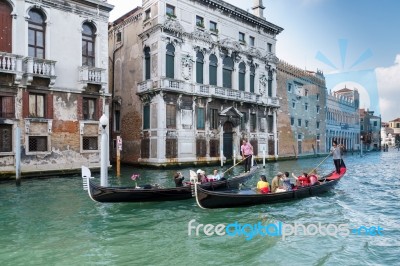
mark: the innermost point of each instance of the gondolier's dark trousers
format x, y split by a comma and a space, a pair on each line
338, 163
247, 163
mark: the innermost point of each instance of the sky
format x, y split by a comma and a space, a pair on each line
356, 43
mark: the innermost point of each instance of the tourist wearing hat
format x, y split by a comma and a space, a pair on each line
201, 176
275, 184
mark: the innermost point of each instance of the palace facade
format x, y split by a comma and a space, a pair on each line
53, 81
191, 79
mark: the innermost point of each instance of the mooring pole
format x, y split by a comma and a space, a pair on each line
18, 156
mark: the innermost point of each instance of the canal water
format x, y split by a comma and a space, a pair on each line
52, 221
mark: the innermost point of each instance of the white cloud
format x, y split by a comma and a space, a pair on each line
388, 79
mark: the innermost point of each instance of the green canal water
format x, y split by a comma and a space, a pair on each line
53, 222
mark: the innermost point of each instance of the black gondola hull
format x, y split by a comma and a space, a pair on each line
217, 199
131, 194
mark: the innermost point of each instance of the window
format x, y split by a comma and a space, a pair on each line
147, 68
89, 109
375, 123
170, 61
90, 143
242, 73
199, 21
305, 92
214, 119
317, 124
147, 14
37, 143
171, 148
317, 109
170, 11
117, 120
289, 88
294, 104
199, 67
317, 96
227, 72
119, 36
88, 38
299, 136
269, 47
36, 34
292, 121
243, 121
6, 135
213, 27
7, 107
252, 41
253, 122
171, 116
200, 118
213, 69
252, 77
306, 123
146, 116
270, 123
299, 122
242, 37
306, 106
36, 105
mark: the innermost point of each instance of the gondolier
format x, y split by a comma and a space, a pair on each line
247, 152
336, 152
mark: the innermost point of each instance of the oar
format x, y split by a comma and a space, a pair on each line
320, 163
236, 164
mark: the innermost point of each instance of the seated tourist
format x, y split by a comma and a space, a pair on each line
263, 185
302, 181
201, 176
287, 186
314, 178
276, 183
178, 178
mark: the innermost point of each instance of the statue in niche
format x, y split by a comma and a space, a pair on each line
187, 65
263, 83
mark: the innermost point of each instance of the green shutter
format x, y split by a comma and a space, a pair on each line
199, 72
170, 66
200, 118
213, 75
146, 117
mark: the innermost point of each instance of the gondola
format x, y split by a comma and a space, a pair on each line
134, 194
229, 199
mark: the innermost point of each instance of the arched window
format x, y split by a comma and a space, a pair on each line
170, 62
213, 69
199, 67
252, 77
147, 63
242, 73
227, 72
36, 34
6, 27
88, 41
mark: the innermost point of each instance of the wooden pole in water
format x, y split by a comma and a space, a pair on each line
119, 146
18, 156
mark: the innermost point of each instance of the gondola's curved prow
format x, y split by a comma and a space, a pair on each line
86, 175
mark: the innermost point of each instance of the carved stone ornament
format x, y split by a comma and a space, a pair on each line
263, 83
228, 43
254, 52
187, 66
202, 34
173, 25
271, 57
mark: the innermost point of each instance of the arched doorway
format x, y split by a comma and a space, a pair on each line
6, 27
228, 140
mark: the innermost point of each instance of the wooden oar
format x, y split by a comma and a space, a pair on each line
320, 163
236, 164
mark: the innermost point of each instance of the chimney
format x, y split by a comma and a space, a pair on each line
258, 8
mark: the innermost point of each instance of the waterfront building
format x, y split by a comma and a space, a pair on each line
394, 125
190, 80
53, 74
342, 119
301, 118
388, 136
370, 130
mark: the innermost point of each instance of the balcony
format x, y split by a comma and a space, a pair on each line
92, 75
11, 64
204, 90
41, 68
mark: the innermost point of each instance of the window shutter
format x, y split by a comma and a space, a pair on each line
25, 104
50, 107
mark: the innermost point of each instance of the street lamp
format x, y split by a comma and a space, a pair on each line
104, 150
